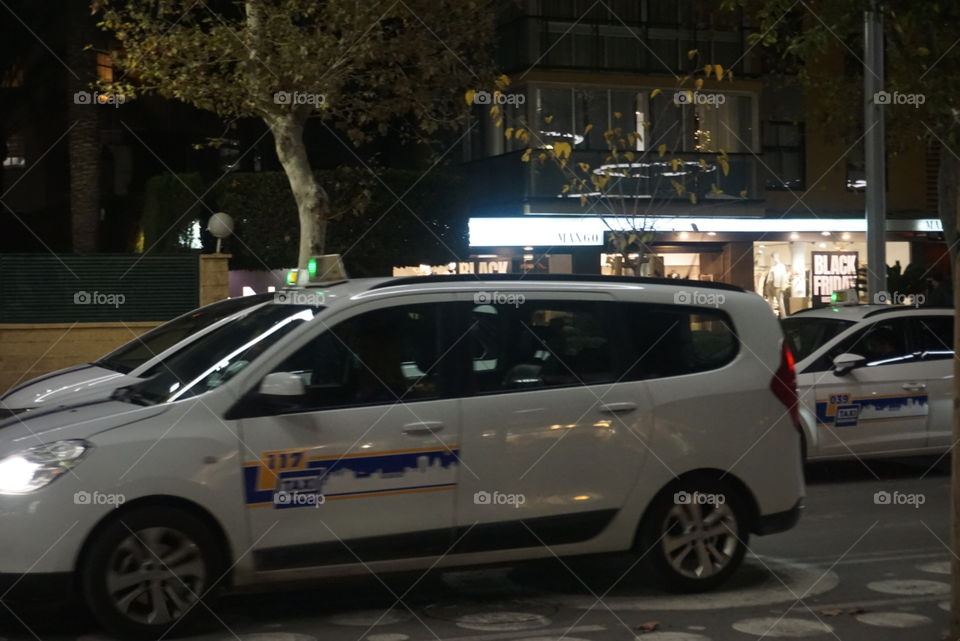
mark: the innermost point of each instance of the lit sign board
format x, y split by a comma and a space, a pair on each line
571, 231
537, 232
832, 271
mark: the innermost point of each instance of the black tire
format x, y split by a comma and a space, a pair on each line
127, 549
671, 520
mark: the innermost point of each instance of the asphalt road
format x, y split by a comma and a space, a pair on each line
856, 568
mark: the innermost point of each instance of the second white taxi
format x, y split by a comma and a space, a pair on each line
873, 380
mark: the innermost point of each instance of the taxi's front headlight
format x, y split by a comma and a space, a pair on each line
38, 466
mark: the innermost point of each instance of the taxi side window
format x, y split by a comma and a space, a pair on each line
668, 340
540, 344
385, 356
885, 342
934, 337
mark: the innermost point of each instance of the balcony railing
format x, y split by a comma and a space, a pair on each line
502, 181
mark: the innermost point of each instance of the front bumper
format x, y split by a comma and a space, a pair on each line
779, 521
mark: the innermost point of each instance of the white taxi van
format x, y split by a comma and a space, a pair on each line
381, 425
874, 380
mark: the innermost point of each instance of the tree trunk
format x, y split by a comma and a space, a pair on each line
313, 206
948, 204
83, 140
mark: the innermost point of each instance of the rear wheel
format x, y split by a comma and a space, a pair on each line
695, 536
148, 573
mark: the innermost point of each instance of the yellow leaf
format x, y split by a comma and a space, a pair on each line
692, 54
743, 194
583, 200
693, 198
707, 70
629, 156
617, 115
503, 81
468, 96
703, 164
548, 119
698, 84
562, 150
587, 129
655, 93
495, 112
518, 134
584, 167
565, 189
508, 133
715, 189
718, 70
542, 157
674, 164
498, 123
662, 149
725, 166
526, 155
678, 187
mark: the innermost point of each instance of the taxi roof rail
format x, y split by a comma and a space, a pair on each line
561, 278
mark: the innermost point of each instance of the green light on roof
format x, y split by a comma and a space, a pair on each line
834, 297
292, 277
312, 267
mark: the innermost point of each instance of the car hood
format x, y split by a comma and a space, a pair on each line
77, 421
65, 387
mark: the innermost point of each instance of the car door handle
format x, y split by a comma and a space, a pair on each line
617, 408
914, 387
422, 428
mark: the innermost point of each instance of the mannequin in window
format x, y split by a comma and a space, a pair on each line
776, 281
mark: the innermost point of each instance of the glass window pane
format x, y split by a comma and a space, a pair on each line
541, 344
592, 110
671, 341
934, 335
554, 116
385, 356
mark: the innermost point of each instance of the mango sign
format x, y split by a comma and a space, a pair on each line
832, 271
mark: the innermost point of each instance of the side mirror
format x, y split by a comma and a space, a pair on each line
282, 385
845, 362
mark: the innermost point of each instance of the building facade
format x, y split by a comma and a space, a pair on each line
723, 178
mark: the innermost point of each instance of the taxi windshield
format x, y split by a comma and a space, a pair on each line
143, 348
806, 334
215, 358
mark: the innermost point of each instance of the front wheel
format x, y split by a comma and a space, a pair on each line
148, 573
695, 536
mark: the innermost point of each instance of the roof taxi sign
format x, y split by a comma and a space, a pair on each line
832, 271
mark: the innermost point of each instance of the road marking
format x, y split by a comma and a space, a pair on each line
935, 567
894, 619
785, 627
529, 636
502, 621
367, 618
672, 636
909, 587
879, 603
